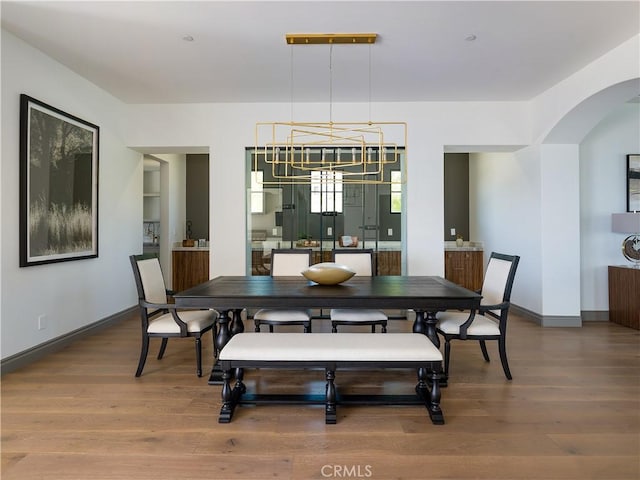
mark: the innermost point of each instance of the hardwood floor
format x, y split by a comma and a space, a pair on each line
571, 412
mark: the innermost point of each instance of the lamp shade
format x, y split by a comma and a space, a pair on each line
625, 222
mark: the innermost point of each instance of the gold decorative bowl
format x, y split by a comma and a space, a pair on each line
328, 273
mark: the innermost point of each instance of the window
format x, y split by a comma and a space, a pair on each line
257, 194
326, 191
396, 191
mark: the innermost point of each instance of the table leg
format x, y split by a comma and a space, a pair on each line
426, 325
418, 324
431, 321
221, 340
237, 325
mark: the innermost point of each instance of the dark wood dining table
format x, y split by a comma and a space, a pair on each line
229, 295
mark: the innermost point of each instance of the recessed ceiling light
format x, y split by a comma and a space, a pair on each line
470, 38
187, 38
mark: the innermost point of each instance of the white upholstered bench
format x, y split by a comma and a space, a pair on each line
331, 351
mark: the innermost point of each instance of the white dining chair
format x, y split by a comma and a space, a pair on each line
490, 322
286, 262
160, 318
362, 262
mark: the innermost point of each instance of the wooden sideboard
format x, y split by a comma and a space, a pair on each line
464, 267
388, 262
190, 267
624, 296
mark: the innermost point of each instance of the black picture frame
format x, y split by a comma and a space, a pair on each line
633, 183
59, 158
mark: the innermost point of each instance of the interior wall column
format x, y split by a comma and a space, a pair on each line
425, 208
560, 234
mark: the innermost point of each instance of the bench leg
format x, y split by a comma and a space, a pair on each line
422, 387
428, 389
230, 397
330, 408
226, 412
437, 418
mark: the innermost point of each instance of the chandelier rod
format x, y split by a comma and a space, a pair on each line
331, 83
291, 80
369, 83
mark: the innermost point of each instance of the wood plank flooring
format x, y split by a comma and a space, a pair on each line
571, 412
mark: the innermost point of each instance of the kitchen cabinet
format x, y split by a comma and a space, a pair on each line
464, 267
389, 262
624, 296
190, 267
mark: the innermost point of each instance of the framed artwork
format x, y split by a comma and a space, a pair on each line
58, 185
633, 183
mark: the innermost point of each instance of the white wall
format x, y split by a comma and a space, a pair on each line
556, 113
78, 293
603, 192
505, 214
560, 234
524, 203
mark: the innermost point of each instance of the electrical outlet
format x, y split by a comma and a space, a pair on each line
389, 232
42, 322
453, 232
329, 231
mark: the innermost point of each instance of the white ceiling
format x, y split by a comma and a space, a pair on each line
136, 51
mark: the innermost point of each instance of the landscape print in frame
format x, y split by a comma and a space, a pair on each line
58, 185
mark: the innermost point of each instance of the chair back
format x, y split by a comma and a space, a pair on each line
498, 281
360, 261
149, 279
289, 261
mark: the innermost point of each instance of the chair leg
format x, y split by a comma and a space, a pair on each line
143, 355
198, 357
483, 347
502, 348
384, 328
163, 347
334, 327
307, 327
214, 334
257, 324
373, 328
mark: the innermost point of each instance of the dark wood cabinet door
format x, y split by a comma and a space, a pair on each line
624, 296
466, 268
189, 268
389, 262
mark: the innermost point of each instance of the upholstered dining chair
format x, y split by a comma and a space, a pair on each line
490, 322
286, 262
160, 318
360, 261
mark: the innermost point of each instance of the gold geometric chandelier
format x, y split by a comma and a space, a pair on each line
360, 151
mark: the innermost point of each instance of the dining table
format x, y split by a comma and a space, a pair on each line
230, 295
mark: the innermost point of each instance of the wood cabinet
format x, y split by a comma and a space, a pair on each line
389, 262
624, 296
190, 267
320, 256
464, 267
